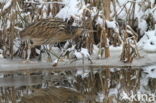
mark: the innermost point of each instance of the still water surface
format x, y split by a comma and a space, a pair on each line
79, 85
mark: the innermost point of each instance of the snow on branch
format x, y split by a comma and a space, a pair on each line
7, 5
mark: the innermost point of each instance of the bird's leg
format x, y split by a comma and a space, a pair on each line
83, 59
49, 57
48, 53
91, 62
28, 52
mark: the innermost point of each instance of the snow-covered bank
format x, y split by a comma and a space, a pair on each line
114, 60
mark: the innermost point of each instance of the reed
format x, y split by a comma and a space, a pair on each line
21, 13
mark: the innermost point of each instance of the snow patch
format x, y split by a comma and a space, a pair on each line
1, 75
113, 25
1, 54
82, 54
72, 7
118, 48
100, 97
150, 71
7, 5
83, 73
148, 41
142, 25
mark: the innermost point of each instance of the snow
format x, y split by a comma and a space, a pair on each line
100, 97
148, 41
55, 62
1, 75
150, 71
111, 24
154, 15
72, 8
54, 52
142, 25
83, 73
100, 21
7, 5
75, 8
8, 24
1, 54
122, 2
44, 11
95, 50
147, 74
38, 51
82, 54
118, 48
2, 1
17, 44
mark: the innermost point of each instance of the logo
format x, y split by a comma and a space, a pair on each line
135, 97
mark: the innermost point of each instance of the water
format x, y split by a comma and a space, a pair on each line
79, 85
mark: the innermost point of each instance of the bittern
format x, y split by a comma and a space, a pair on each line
48, 31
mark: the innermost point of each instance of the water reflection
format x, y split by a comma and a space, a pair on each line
85, 85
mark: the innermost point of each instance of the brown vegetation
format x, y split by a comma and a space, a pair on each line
54, 95
20, 14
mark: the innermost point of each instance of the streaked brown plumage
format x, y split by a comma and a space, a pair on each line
49, 31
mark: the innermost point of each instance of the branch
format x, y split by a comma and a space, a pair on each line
31, 2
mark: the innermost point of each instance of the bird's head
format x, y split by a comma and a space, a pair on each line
75, 30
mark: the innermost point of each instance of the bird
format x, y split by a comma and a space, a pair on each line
48, 31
